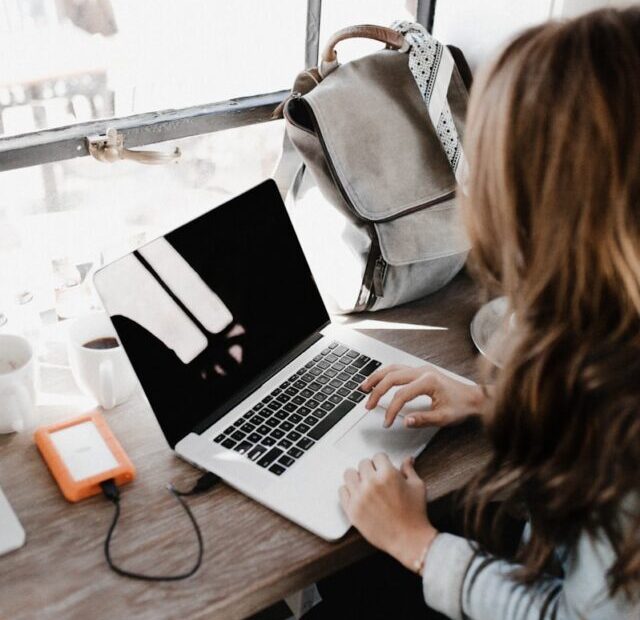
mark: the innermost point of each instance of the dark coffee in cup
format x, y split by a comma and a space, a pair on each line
102, 343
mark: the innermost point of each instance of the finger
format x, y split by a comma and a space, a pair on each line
425, 384
409, 471
396, 377
345, 497
427, 418
351, 479
375, 377
366, 469
381, 462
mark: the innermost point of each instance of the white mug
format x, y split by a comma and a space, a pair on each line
17, 384
104, 374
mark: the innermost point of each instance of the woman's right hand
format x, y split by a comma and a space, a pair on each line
451, 401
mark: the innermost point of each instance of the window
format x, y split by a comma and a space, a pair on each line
201, 75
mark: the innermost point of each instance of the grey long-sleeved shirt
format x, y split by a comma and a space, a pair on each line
454, 586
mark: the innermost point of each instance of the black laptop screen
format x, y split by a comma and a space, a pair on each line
205, 310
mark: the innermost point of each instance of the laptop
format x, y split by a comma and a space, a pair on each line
248, 377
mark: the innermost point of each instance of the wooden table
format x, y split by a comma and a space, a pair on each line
253, 557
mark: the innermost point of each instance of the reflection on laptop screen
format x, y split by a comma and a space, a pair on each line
204, 310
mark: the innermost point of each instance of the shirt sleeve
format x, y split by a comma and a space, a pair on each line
461, 583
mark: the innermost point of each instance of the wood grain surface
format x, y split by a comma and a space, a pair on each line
253, 557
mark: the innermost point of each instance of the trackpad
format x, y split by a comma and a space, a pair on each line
367, 437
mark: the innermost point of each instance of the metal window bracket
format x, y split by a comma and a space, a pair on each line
109, 148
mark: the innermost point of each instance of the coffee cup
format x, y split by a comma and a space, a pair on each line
98, 362
17, 384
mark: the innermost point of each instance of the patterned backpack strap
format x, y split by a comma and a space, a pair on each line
431, 64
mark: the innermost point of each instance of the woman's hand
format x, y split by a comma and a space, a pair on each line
451, 401
388, 507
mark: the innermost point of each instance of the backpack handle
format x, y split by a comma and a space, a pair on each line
391, 38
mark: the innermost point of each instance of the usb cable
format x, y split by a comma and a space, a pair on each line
112, 493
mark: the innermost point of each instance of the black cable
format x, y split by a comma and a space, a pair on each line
111, 492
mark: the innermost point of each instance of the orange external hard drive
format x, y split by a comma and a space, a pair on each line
81, 453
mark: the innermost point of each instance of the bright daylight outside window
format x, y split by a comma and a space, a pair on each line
70, 63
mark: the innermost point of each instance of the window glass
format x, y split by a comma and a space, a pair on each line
60, 221
66, 61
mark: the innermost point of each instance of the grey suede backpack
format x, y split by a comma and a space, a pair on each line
374, 201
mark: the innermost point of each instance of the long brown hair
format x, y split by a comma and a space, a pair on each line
553, 212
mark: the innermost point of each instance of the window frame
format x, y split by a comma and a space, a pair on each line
70, 141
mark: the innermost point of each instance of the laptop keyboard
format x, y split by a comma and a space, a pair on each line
288, 422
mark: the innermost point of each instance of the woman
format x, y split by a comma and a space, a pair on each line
553, 213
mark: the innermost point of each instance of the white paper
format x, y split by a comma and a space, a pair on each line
83, 450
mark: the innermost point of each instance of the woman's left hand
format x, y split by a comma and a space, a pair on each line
388, 507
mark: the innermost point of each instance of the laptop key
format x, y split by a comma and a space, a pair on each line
317, 358
327, 406
243, 447
351, 385
305, 443
295, 418
335, 383
370, 367
314, 372
228, 443
363, 360
331, 420
356, 397
237, 435
331, 358
267, 399
327, 350
298, 400
269, 441
322, 379
294, 436
219, 438
273, 406
353, 354
343, 391
283, 399
320, 396
263, 429
309, 364
314, 386
286, 425
248, 427
359, 378
276, 392
270, 457
304, 410
320, 413
328, 390
296, 453
254, 438
299, 384
329, 372
272, 422
285, 443
351, 370
306, 393
277, 433
285, 384
311, 420
258, 407
277, 469
311, 375
335, 399
281, 414
257, 419
341, 350
339, 366
287, 461
291, 391
256, 452
313, 403
303, 428
290, 407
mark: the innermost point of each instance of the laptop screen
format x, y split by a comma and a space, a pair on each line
206, 310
